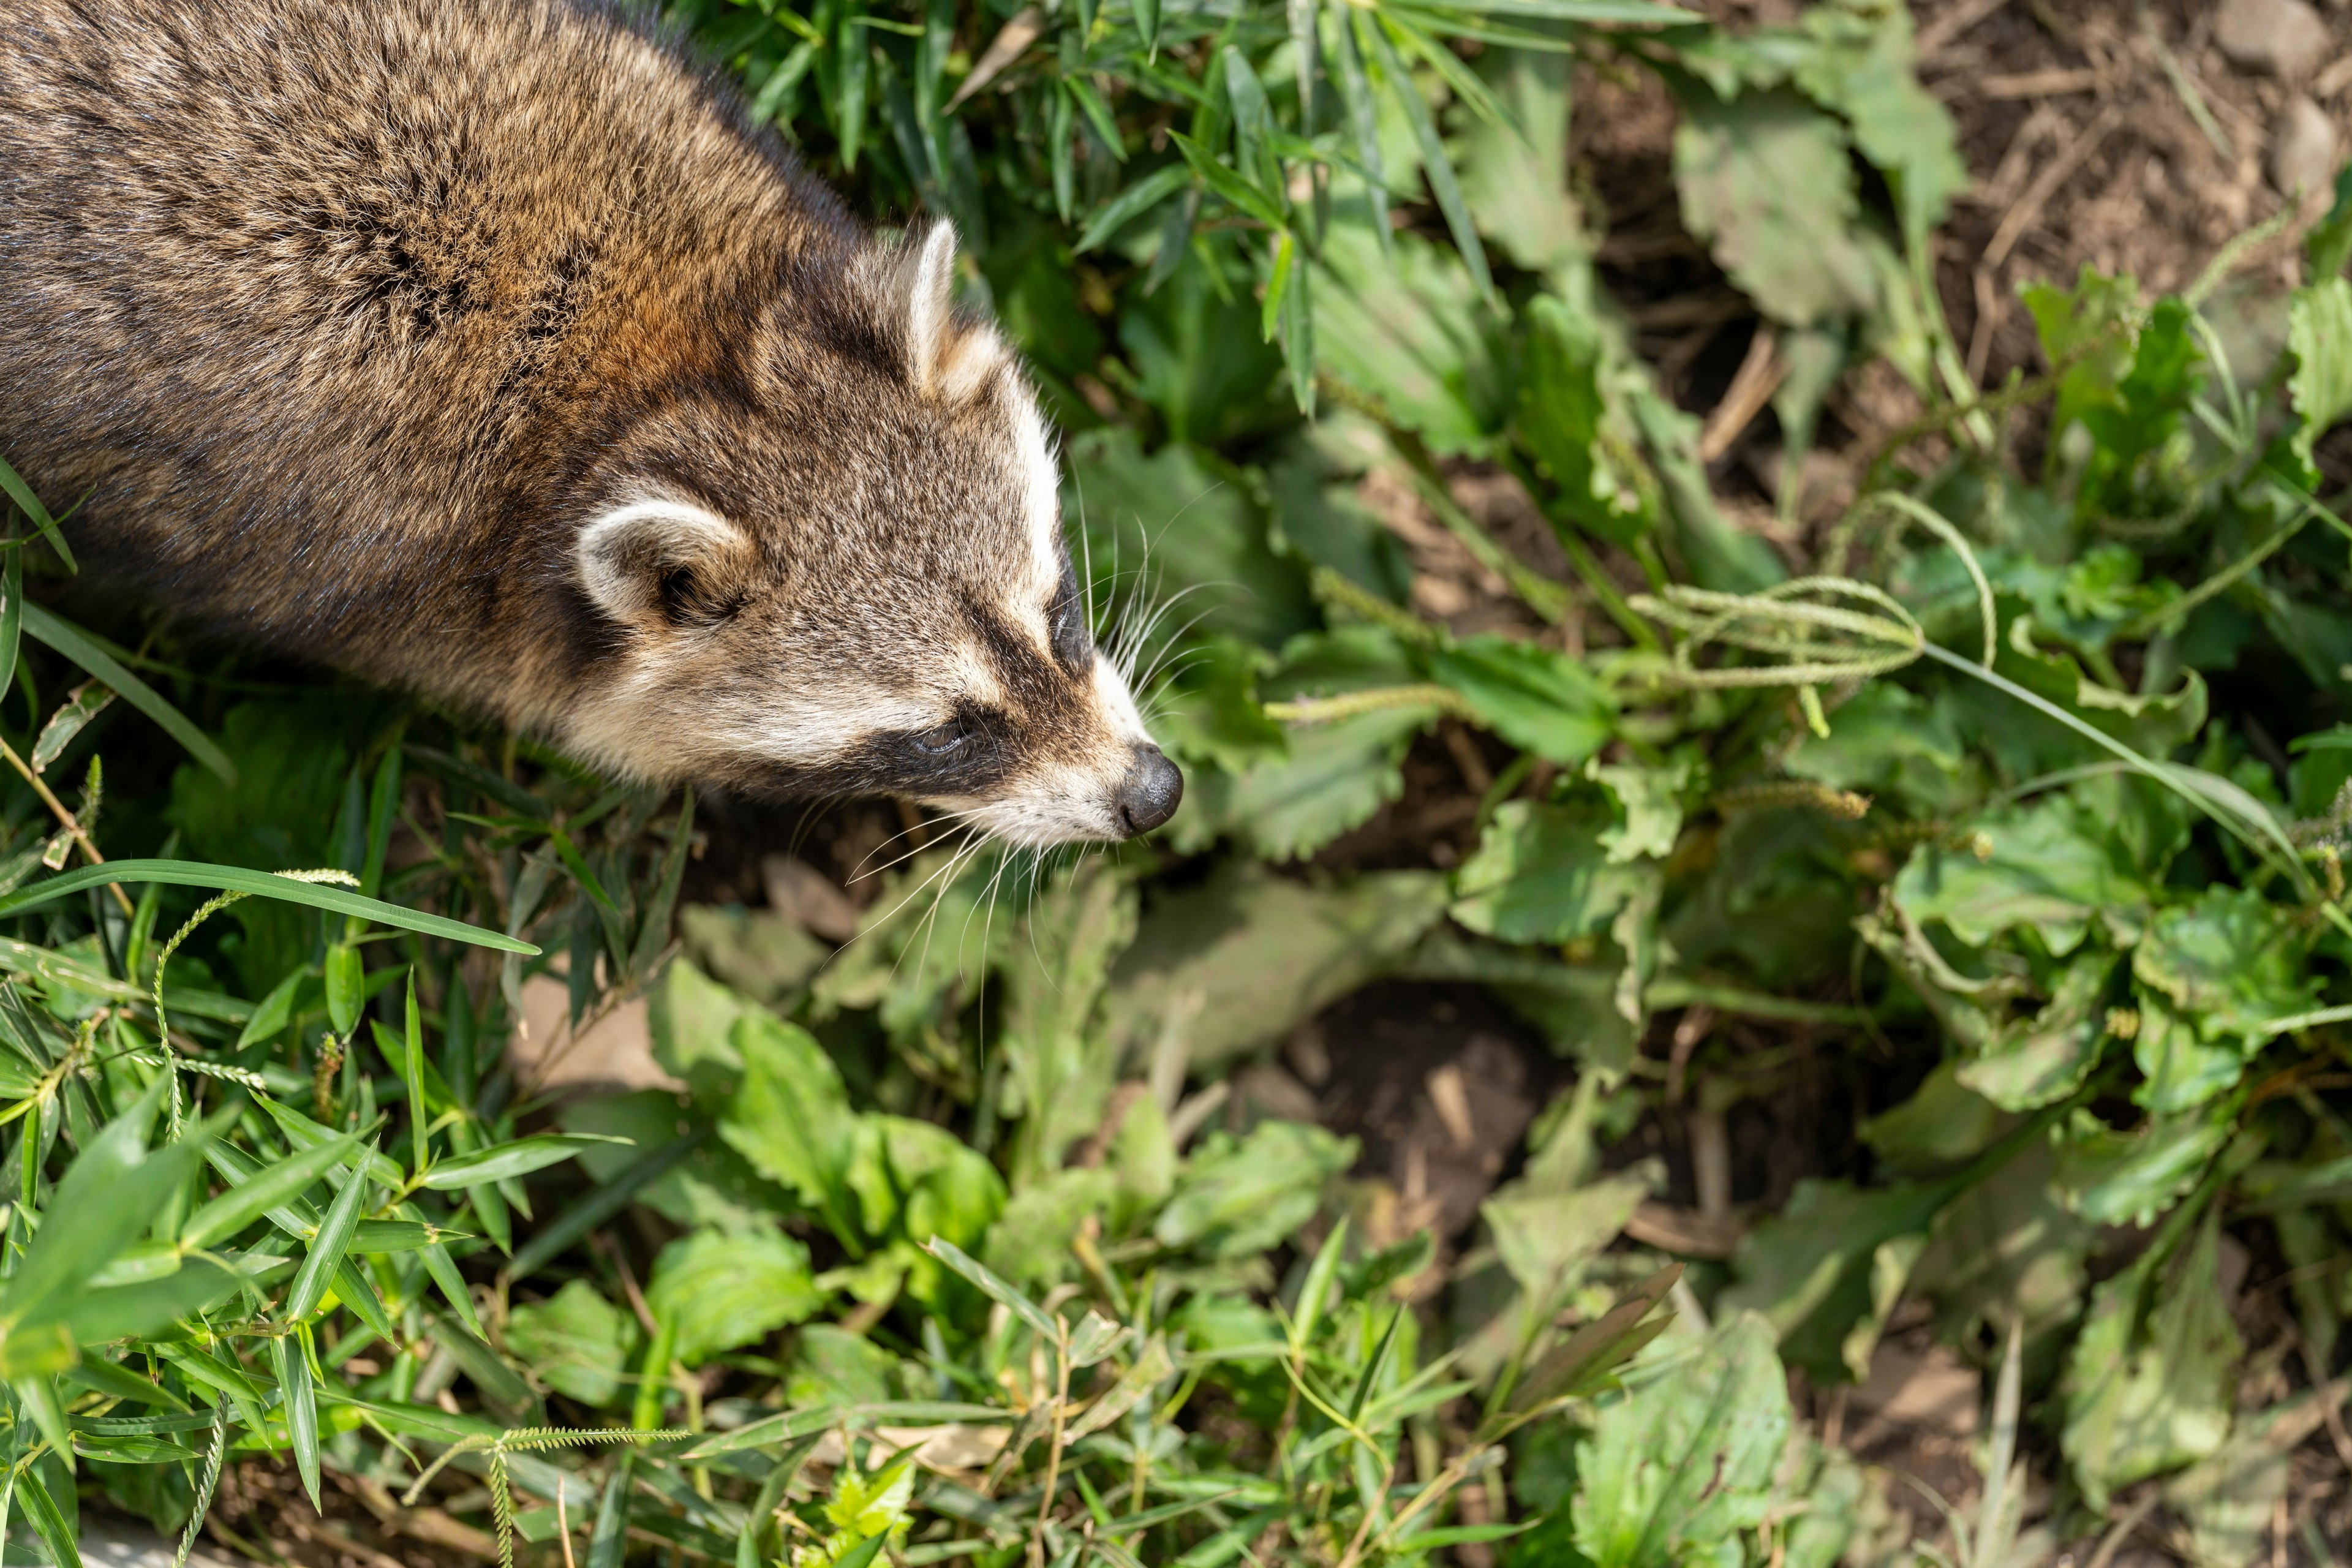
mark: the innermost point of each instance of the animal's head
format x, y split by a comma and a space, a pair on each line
837, 567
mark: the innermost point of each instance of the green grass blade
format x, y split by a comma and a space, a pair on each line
1436, 162
301, 1405
268, 1189
519, 1158
1133, 203
609, 1540
12, 617
327, 1249
996, 1287
267, 884
79, 646
48, 1524
18, 490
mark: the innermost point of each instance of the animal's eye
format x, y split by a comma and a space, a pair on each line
941, 739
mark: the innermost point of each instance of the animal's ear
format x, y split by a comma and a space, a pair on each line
946, 358
659, 561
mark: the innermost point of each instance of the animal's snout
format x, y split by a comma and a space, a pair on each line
1148, 795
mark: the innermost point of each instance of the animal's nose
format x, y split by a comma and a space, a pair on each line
1148, 795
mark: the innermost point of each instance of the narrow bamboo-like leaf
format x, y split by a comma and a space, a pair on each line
609, 1540
383, 803
996, 1287
419, 1110
346, 987
119, 1382
45, 625
1147, 25
1233, 188
864, 1553
1373, 1368
38, 1396
12, 484
519, 1158
353, 1289
1587, 1355
1437, 165
1304, 38
1098, 113
1316, 1289
12, 616
301, 1401
481, 781
236, 879
653, 931
342, 1217
48, 1520
593, 1208
252, 1197
275, 1010
304, 1133
451, 1284
1133, 203
496, 1380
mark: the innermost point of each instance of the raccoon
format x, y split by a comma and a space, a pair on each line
486, 349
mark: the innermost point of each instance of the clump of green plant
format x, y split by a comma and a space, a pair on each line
925, 1250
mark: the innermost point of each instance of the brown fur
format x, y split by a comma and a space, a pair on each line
353, 315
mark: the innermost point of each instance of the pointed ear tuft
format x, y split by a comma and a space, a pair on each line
946, 359
927, 281
657, 561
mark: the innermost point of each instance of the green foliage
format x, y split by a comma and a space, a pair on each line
948, 1245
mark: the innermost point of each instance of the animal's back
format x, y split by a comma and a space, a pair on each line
318, 297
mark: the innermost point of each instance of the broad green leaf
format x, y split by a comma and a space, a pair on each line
1247, 955
1059, 1063
1179, 521
2147, 1385
2319, 334
503, 1161
2051, 867
1809, 1270
1864, 66
2116, 1178
322, 895
1239, 1197
1534, 697
2041, 1060
2228, 962
1542, 1237
723, 1290
1407, 326
1766, 180
578, 1342
1573, 416
1541, 874
1332, 777
1678, 1467
792, 1118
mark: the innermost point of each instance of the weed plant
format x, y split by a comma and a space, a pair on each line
928, 1256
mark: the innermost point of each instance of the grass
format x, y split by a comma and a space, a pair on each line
2018, 811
